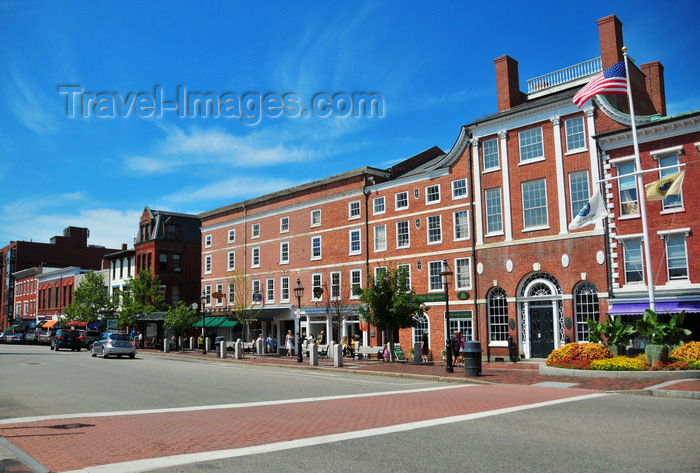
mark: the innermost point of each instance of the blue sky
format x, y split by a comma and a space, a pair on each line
431, 62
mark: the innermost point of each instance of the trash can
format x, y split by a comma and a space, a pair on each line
220, 344
472, 358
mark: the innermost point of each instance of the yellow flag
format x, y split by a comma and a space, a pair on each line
671, 185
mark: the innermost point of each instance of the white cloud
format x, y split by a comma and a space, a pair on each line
26, 101
231, 190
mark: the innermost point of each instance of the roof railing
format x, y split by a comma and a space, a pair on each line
587, 68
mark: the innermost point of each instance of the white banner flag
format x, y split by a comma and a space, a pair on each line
592, 211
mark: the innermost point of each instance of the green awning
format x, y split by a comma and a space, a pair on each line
210, 322
11, 328
228, 323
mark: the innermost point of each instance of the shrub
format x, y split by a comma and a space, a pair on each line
619, 363
687, 351
578, 355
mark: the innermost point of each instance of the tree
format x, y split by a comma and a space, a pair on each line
180, 317
242, 298
141, 296
91, 302
391, 303
337, 311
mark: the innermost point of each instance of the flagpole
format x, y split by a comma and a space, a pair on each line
640, 185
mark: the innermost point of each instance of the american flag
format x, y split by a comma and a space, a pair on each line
612, 80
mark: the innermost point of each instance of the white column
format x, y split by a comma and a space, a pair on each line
507, 216
476, 185
561, 182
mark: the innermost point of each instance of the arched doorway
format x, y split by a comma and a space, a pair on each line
541, 314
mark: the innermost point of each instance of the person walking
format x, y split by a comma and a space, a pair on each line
289, 342
424, 347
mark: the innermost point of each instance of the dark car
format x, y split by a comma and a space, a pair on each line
44, 337
65, 338
30, 338
87, 337
14, 338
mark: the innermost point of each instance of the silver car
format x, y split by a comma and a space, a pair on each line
114, 344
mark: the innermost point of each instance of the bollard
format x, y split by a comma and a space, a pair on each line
330, 351
338, 356
207, 345
181, 344
166, 345
238, 350
313, 355
222, 349
259, 346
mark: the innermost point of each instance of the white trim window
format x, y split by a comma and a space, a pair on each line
207, 294
231, 261
284, 224
460, 222
270, 290
335, 285
671, 201
676, 257
531, 147
629, 200
207, 240
316, 218
284, 252
463, 274
378, 205
316, 247
231, 235
355, 283
407, 279
432, 194
355, 241
255, 257
207, 264
578, 191
575, 134
434, 278
634, 266
380, 238
284, 289
255, 286
354, 210
255, 230
231, 293
489, 151
401, 200
403, 235
459, 189
316, 281
494, 212
434, 229
535, 204
220, 289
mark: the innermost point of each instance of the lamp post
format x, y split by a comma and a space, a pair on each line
299, 291
204, 323
446, 274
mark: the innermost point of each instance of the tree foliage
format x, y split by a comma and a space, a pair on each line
390, 303
91, 302
241, 292
180, 317
141, 296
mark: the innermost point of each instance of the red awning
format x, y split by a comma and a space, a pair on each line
76, 324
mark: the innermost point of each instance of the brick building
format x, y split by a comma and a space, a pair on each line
69, 249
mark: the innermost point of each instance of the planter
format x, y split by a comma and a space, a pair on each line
656, 353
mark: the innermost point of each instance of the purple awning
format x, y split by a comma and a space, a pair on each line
638, 308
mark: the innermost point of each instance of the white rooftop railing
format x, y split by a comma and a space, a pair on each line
561, 76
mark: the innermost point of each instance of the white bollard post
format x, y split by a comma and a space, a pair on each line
166, 345
206, 344
238, 351
330, 351
338, 356
313, 355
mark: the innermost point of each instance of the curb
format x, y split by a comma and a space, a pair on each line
684, 374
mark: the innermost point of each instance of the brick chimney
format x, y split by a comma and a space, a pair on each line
656, 89
507, 83
610, 36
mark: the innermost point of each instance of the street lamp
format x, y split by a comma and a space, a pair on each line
446, 274
299, 291
204, 323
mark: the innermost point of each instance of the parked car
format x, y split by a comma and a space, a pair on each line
30, 337
65, 338
2, 337
44, 337
114, 344
14, 338
87, 337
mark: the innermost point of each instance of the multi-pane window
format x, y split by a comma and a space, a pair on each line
421, 326
355, 283
162, 262
434, 278
284, 224
575, 134
255, 257
535, 203
355, 241
316, 282
459, 189
578, 188
220, 290
405, 270
270, 290
207, 241
676, 257
255, 230
335, 285
207, 294
401, 200
463, 276
315, 247
257, 296
231, 260
461, 324
633, 260
494, 213
316, 217
380, 238
531, 144
207, 264
432, 194
434, 229
231, 235
284, 252
671, 201
498, 315
378, 205
402, 234
231, 293
354, 209
629, 204
460, 220
586, 307
284, 288
490, 153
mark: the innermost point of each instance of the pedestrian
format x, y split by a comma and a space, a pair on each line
424, 347
139, 337
268, 342
456, 345
321, 338
289, 342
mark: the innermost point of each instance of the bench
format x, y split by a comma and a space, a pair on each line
322, 350
368, 352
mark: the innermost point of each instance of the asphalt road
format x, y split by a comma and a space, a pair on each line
494, 428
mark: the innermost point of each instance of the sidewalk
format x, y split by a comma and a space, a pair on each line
667, 384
